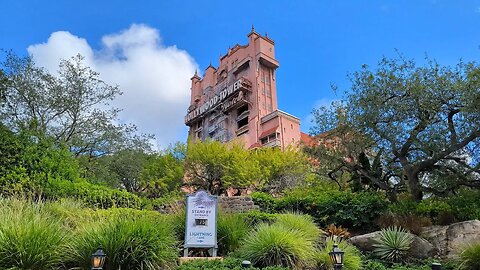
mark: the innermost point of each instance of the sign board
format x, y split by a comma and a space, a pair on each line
201, 221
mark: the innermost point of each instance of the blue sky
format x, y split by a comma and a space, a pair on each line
317, 42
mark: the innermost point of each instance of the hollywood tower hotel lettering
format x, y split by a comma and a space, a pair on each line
238, 99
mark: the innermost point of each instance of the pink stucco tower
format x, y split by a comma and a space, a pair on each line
238, 99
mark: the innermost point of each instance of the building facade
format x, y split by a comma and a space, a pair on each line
238, 99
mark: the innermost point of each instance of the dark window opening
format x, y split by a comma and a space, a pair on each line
242, 122
242, 109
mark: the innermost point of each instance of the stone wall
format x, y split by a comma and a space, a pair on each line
237, 204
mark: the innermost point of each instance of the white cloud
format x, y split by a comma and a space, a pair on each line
154, 78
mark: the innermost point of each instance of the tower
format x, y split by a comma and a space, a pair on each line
238, 99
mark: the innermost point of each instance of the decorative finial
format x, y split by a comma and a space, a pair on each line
196, 74
266, 34
253, 28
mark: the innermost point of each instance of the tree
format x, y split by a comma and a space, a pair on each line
72, 108
281, 170
163, 172
423, 121
215, 166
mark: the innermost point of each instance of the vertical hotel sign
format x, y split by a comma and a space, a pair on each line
201, 222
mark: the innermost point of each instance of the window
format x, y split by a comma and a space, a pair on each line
242, 122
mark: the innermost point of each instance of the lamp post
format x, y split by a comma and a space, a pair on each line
336, 255
246, 264
436, 266
98, 259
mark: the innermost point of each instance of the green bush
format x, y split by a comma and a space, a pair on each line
393, 244
231, 230
92, 195
349, 210
470, 257
30, 238
256, 217
352, 257
130, 241
226, 264
277, 245
265, 201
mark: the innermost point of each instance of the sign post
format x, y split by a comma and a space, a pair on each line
201, 222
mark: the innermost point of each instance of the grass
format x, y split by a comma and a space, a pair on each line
231, 230
278, 245
303, 223
30, 237
130, 242
470, 257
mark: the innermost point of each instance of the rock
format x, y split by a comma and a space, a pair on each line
364, 242
450, 240
421, 248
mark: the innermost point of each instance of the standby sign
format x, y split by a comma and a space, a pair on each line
201, 222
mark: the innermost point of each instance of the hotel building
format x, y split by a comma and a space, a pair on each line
238, 99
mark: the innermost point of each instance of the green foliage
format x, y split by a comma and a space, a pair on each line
256, 217
420, 115
93, 195
281, 169
303, 223
265, 201
350, 210
131, 241
352, 257
393, 244
30, 238
231, 230
470, 257
226, 264
277, 245
215, 166
162, 173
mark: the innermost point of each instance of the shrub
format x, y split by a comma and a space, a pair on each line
226, 264
130, 242
30, 238
393, 244
302, 223
265, 201
333, 230
350, 210
256, 217
470, 257
231, 229
411, 222
352, 258
277, 245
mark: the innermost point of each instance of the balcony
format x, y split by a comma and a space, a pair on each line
245, 84
211, 129
273, 143
242, 130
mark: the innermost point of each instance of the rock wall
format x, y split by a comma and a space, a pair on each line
441, 241
450, 240
237, 204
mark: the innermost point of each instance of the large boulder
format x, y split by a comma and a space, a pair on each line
450, 240
421, 248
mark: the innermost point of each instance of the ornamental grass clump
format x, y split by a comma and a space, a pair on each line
470, 257
278, 245
231, 229
393, 244
30, 237
130, 242
302, 223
